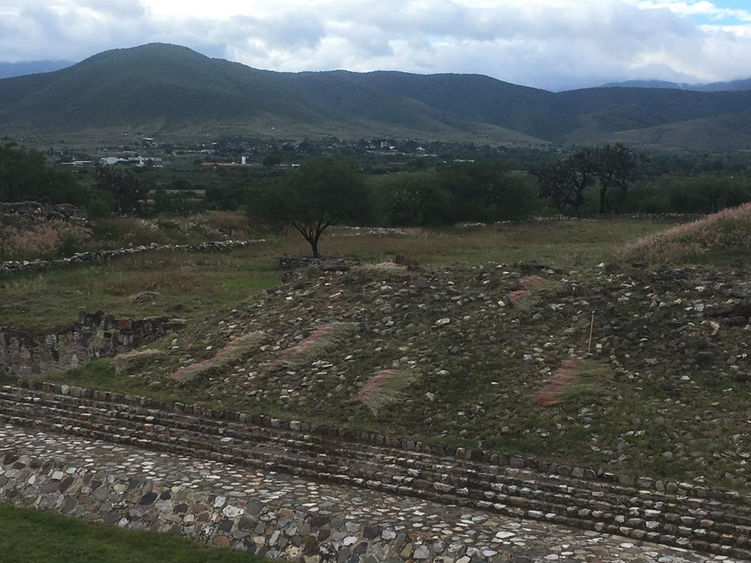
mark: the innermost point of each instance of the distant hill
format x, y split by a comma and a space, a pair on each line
732, 86
163, 90
31, 67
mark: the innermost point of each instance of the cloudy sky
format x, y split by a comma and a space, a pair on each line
552, 44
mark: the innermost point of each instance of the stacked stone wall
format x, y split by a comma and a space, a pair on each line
92, 335
104, 255
223, 520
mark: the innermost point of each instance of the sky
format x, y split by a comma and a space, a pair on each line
550, 44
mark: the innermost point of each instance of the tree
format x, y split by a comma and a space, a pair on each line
127, 190
485, 191
564, 181
26, 175
612, 166
415, 199
325, 191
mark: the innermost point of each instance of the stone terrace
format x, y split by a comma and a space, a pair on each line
281, 515
221, 478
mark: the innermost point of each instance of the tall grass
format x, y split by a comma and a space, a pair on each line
720, 237
236, 350
385, 387
323, 339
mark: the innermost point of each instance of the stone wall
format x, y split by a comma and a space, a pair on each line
674, 514
93, 335
240, 522
103, 255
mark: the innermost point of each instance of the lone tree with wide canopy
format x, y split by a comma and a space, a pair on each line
325, 191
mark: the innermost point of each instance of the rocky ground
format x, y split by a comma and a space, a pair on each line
460, 352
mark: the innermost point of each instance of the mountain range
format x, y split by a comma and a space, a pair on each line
167, 90
731, 86
31, 67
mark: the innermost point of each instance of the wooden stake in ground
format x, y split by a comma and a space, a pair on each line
591, 330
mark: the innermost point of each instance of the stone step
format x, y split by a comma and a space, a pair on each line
699, 523
557, 508
457, 470
226, 420
427, 472
424, 469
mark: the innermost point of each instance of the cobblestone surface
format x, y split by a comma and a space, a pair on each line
390, 527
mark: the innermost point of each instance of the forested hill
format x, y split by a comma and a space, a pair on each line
166, 89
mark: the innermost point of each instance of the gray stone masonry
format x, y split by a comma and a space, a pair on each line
92, 335
103, 255
669, 515
283, 516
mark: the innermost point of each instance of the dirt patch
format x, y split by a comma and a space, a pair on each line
550, 395
527, 284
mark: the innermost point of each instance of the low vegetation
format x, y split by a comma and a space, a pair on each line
660, 386
192, 285
720, 238
644, 368
60, 539
620, 343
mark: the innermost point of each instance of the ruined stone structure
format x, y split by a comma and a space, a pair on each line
489, 487
103, 255
92, 335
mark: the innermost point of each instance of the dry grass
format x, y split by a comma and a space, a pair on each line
718, 235
136, 359
236, 350
38, 240
325, 338
551, 394
135, 284
385, 387
528, 284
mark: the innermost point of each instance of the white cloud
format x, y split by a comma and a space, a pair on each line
546, 43
695, 8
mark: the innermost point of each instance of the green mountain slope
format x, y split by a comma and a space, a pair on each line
169, 89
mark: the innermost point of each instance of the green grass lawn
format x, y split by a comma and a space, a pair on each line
181, 284
29, 535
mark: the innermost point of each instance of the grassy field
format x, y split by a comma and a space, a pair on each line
30, 535
191, 285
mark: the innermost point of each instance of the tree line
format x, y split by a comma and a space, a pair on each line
326, 190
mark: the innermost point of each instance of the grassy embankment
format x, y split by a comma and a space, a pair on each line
628, 408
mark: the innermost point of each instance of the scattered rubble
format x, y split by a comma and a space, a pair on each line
676, 376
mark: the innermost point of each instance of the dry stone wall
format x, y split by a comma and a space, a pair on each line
103, 255
92, 335
283, 516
